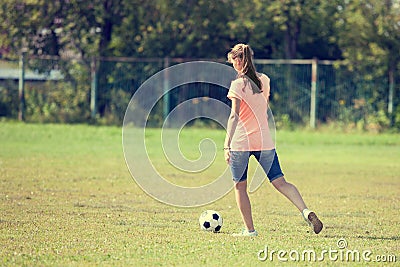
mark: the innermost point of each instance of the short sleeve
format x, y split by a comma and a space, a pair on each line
236, 89
266, 85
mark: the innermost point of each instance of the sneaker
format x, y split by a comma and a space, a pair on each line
314, 222
245, 232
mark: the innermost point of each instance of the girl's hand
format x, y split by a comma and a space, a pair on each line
227, 155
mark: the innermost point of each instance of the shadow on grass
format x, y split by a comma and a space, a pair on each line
391, 238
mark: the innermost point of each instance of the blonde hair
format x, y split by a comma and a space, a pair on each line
245, 54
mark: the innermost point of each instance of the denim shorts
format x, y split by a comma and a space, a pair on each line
268, 159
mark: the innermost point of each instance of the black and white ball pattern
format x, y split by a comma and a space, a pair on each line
211, 220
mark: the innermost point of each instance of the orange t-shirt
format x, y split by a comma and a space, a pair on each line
252, 131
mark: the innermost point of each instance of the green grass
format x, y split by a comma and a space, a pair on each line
67, 198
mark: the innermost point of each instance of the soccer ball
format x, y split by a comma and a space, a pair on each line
210, 220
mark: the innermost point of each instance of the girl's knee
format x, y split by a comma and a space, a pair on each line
280, 182
241, 185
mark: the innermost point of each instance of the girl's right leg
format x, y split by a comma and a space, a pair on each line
270, 163
290, 191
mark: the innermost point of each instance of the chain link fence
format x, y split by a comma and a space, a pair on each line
48, 89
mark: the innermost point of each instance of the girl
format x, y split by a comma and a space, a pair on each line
248, 134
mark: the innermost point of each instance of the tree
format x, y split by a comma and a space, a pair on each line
190, 29
363, 33
370, 40
31, 25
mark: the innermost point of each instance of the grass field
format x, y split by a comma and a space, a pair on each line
67, 198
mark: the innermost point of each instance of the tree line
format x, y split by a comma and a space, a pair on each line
356, 30
364, 34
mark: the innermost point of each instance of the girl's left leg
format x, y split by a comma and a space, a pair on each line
243, 203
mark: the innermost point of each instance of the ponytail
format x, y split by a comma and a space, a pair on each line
245, 54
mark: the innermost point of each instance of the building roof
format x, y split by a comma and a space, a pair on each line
13, 74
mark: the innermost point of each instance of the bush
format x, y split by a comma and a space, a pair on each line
57, 102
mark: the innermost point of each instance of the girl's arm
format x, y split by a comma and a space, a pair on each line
231, 126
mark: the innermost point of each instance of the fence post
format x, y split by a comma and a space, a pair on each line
391, 88
313, 105
93, 88
166, 89
391, 93
21, 87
